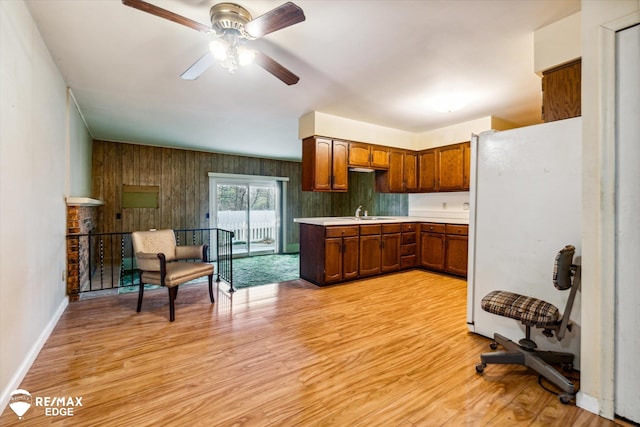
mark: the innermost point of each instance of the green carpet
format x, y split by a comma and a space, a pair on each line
247, 272
260, 270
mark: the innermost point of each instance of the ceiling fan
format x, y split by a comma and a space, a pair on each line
231, 25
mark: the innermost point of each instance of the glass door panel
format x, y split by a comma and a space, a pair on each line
232, 214
262, 219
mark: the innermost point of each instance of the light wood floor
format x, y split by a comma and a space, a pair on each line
389, 351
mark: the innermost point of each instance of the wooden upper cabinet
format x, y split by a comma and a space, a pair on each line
379, 157
450, 166
402, 176
368, 156
410, 171
466, 147
359, 154
339, 161
427, 181
561, 92
324, 164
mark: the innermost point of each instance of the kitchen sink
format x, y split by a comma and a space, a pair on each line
366, 218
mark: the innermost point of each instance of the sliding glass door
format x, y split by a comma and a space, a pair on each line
249, 208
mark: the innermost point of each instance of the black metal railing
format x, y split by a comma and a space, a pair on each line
105, 261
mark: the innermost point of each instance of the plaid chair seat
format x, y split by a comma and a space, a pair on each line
530, 311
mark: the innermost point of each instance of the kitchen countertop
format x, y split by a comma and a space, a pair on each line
344, 220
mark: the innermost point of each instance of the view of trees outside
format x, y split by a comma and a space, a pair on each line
256, 232
235, 198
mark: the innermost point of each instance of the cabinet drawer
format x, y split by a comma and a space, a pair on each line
341, 231
366, 230
408, 261
408, 249
408, 238
461, 230
433, 227
406, 227
391, 228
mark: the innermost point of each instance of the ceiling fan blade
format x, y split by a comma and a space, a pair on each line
199, 67
163, 13
276, 19
276, 69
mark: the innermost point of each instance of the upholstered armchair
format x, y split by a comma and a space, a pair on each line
161, 262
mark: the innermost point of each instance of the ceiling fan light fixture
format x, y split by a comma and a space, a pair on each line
245, 56
218, 48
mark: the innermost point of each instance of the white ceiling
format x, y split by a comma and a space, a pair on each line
377, 61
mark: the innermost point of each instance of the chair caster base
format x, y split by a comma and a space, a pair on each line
480, 367
565, 398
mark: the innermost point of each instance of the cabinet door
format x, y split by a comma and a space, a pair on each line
369, 255
390, 257
359, 154
457, 252
428, 181
339, 161
316, 164
561, 92
467, 165
350, 251
333, 259
396, 169
450, 166
410, 171
379, 157
432, 247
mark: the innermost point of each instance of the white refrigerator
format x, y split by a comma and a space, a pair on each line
525, 205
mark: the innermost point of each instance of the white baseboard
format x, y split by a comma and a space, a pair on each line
587, 402
31, 356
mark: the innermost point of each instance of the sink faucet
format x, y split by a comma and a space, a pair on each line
357, 214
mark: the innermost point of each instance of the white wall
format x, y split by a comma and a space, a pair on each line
557, 43
600, 20
79, 145
33, 174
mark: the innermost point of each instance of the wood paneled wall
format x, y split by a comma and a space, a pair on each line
362, 193
184, 188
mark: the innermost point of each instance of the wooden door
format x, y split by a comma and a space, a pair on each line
339, 161
369, 255
427, 171
379, 157
456, 255
450, 167
390, 253
333, 259
432, 250
350, 251
410, 171
359, 154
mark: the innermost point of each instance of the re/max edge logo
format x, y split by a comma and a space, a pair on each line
21, 401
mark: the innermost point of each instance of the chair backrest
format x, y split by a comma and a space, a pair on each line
566, 275
153, 242
563, 268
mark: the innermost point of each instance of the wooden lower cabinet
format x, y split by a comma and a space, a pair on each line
390, 253
339, 253
457, 244
456, 259
341, 259
432, 251
408, 246
444, 247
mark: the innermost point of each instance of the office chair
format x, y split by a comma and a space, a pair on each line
540, 314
